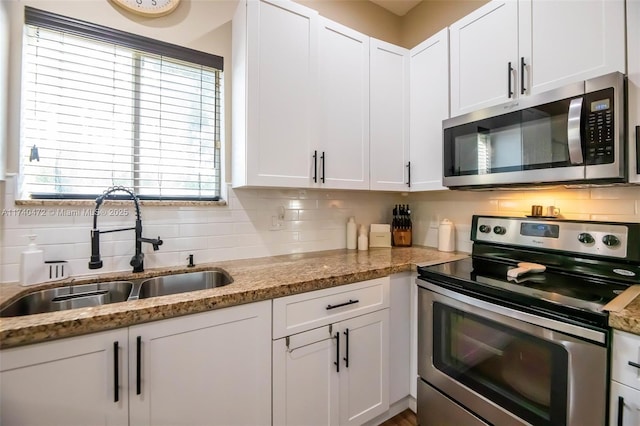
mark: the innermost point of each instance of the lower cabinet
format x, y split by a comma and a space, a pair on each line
205, 369
624, 409
77, 381
212, 368
336, 374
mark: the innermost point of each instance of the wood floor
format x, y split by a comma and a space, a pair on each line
406, 418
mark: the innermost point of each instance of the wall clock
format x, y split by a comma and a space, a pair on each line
149, 8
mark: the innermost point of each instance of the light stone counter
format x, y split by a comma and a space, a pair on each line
254, 280
628, 319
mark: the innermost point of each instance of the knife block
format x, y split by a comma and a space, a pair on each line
402, 237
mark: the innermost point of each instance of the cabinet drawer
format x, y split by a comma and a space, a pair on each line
301, 312
626, 349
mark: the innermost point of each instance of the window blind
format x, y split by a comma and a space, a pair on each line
96, 113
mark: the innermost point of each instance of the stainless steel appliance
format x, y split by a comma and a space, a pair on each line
500, 345
574, 134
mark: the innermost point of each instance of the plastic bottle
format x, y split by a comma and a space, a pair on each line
363, 240
31, 264
352, 237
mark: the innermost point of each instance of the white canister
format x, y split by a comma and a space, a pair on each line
446, 236
352, 234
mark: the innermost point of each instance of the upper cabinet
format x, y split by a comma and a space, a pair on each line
484, 50
274, 70
512, 48
389, 109
343, 94
429, 105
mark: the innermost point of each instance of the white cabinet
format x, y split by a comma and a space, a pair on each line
508, 48
429, 105
213, 367
625, 380
633, 74
274, 67
343, 93
76, 381
335, 368
206, 368
389, 109
483, 44
559, 48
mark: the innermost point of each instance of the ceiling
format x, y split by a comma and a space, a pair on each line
399, 7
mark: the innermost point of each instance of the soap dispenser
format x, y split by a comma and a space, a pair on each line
31, 263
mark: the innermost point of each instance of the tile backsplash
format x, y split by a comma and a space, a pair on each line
264, 222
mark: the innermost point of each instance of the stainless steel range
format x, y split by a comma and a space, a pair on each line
517, 334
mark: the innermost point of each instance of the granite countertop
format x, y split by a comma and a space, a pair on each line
254, 280
627, 319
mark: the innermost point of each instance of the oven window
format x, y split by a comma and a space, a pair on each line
519, 372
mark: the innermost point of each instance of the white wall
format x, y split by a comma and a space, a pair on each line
616, 204
314, 220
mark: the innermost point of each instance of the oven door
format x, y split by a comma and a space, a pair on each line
508, 366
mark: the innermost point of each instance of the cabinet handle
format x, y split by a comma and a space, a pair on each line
346, 349
138, 365
638, 149
315, 166
337, 362
522, 65
634, 364
350, 302
509, 70
620, 410
322, 158
116, 373
409, 174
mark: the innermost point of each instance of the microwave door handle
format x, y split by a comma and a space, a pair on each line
573, 132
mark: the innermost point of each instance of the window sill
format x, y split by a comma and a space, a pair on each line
144, 203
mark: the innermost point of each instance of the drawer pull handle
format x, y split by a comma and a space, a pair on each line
350, 302
634, 364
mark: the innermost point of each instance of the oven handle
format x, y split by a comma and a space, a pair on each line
524, 321
574, 139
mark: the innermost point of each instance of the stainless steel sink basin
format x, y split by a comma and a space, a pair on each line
69, 297
180, 283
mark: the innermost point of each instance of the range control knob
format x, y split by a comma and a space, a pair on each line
586, 238
500, 230
485, 229
610, 240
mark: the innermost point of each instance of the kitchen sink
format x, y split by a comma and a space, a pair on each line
181, 283
69, 297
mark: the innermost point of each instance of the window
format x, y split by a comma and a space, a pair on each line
102, 108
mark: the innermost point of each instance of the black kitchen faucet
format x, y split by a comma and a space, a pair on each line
137, 261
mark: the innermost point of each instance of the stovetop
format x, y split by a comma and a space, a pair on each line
582, 273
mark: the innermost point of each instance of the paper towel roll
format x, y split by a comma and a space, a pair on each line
446, 234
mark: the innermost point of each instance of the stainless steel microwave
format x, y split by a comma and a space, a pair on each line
570, 135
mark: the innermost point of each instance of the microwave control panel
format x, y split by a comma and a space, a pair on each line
599, 129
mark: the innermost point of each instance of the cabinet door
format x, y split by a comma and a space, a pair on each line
75, 381
364, 372
633, 84
625, 405
281, 77
344, 107
305, 379
389, 107
213, 367
483, 44
558, 48
429, 96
